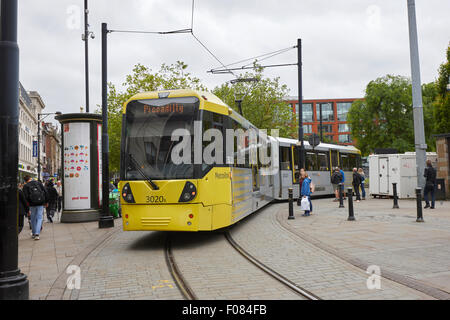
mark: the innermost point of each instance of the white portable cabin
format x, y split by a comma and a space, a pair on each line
386, 169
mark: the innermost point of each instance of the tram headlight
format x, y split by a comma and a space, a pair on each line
189, 192
127, 195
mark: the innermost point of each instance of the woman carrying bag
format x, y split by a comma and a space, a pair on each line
306, 190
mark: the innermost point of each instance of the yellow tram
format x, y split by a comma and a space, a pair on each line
159, 192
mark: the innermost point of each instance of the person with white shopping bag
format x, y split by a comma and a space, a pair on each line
306, 190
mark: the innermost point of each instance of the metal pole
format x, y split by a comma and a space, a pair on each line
351, 214
301, 150
394, 190
239, 103
291, 205
13, 283
419, 131
106, 220
341, 195
39, 147
86, 52
320, 125
419, 205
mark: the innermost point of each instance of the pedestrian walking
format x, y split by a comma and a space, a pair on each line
300, 182
363, 177
356, 184
52, 201
58, 188
430, 184
342, 181
37, 197
24, 209
306, 190
336, 178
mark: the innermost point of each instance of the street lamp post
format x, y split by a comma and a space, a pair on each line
419, 130
85, 37
13, 284
106, 220
39, 139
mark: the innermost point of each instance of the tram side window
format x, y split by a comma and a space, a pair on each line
285, 158
311, 163
295, 165
353, 161
334, 158
344, 162
240, 144
322, 160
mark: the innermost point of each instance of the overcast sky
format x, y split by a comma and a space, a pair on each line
346, 43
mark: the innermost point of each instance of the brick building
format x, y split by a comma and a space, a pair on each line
334, 117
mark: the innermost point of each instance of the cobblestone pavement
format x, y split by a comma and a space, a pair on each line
321, 273
389, 238
215, 270
131, 265
44, 260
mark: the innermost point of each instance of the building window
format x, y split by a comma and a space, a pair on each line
327, 111
342, 110
307, 128
344, 127
327, 128
307, 112
344, 138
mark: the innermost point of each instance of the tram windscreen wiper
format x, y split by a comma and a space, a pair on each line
138, 167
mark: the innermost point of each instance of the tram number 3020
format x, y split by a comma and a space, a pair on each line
156, 199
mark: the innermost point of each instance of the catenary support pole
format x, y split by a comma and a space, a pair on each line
106, 220
419, 131
301, 150
13, 284
86, 52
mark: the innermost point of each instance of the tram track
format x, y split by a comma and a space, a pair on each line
177, 276
189, 293
288, 283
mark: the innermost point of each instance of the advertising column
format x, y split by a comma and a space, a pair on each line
81, 166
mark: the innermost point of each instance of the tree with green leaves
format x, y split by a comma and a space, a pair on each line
174, 76
442, 103
263, 104
384, 118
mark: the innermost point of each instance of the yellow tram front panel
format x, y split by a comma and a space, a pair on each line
162, 210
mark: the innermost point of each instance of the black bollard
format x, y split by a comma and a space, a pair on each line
419, 205
291, 205
394, 190
341, 195
351, 215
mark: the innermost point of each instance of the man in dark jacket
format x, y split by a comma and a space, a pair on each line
356, 183
430, 184
336, 179
36, 196
23, 209
52, 201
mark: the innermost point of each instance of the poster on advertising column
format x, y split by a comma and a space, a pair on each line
77, 175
